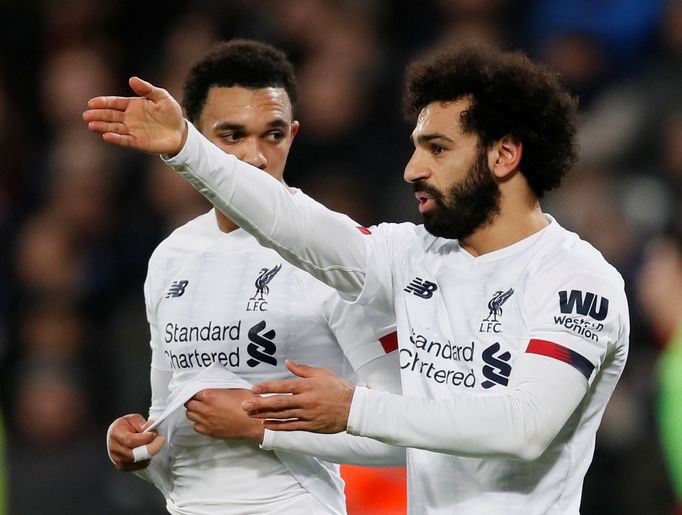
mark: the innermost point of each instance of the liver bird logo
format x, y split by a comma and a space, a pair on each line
266, 275
495, 304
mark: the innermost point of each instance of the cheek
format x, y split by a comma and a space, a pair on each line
277, 158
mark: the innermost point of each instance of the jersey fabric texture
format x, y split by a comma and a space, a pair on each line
507, 359
215, 297
463, 324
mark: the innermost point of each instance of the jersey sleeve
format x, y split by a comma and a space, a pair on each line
577, 315
339, 448
518, 423
302, 231
367, 335
153, 288
158, 470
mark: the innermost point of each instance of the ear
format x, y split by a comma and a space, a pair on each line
504, 156
294, 129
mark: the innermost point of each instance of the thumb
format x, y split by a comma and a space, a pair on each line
147, 89
305, 370
147, 424
156, 445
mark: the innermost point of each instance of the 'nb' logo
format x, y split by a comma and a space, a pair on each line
177, 289
586, 304
421, 288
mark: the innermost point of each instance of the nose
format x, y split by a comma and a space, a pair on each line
415, 169
252, 152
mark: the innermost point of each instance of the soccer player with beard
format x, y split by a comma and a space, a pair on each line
513, 331
214, 295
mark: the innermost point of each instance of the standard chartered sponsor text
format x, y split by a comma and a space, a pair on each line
210, 332
206, 333
411, 360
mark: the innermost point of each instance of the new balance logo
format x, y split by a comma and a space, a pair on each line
421, 288
496, 370
177, 289
262, 348
586, 304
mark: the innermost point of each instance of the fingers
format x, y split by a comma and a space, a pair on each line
103, 127
147, 89
104, 115
119, 139
305, 370
135, 422
281, 386
115, 103
147, 424
277, 406
288, 425
156, 445
132, 440
146, 452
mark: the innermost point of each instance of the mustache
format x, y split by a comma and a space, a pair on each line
422, 187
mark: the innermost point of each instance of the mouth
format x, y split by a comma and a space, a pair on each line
425, 200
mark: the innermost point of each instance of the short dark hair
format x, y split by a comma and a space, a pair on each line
510, 95
238, 63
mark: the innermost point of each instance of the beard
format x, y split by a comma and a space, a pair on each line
466, 206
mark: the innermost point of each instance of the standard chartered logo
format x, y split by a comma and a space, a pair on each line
262, 348
445, 362
214, 342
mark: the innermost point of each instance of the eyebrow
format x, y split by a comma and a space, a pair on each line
229, 126
422, 139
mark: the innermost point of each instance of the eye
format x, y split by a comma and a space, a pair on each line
274, 136
231, 137
437, 149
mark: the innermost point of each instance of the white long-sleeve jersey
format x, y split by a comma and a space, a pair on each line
215, 297
507, 359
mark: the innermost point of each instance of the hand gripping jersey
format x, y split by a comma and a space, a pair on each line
215, 297
507, 359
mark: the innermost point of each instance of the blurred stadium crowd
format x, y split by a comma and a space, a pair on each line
79, 219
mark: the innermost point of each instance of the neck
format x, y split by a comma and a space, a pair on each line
520, 216
224, 223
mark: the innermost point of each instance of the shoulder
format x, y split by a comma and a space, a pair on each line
572, 257
192, 236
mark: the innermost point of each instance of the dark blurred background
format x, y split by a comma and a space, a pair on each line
79, 219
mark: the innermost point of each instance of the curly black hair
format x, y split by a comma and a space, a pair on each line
241, 63
510, 95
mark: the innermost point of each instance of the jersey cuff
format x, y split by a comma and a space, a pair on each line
357, 409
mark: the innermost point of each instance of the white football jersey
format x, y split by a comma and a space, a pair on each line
507, 359
215, 297
463, 322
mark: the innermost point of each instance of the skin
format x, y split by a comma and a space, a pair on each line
256, 126
320, 401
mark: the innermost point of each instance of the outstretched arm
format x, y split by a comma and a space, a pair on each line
311, 237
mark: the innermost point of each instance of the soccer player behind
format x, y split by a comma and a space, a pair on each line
215, 296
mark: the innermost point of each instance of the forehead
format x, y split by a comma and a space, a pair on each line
242, 104
442, 117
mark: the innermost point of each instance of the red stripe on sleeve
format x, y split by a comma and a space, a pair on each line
550, 349
389, 342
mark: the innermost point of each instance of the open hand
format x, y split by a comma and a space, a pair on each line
151, 122
319, 402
